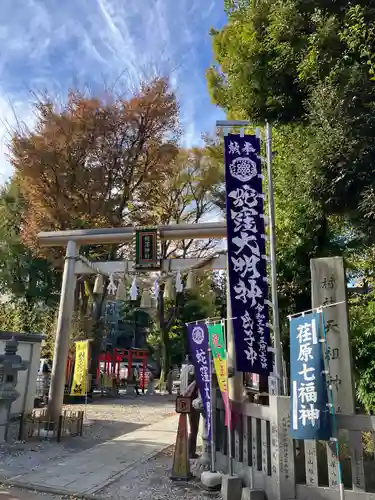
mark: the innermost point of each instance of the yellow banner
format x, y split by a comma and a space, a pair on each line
221, 374
80, 369
222, 377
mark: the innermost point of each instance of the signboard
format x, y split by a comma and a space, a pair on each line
329, 287
111, 315
198, 340
247, 265
310, 412
183, 404
146, 249
80, 369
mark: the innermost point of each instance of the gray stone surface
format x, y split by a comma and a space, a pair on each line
249, 494
17, 494
137, 480
231, 488
88, 471
106, 420
151, 481
211, 480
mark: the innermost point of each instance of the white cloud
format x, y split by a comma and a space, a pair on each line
11, 112
54, 44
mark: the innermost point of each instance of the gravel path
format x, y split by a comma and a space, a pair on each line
151, 481
106, 419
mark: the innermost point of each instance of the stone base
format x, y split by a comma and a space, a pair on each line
231, 488
249, 494
211, 480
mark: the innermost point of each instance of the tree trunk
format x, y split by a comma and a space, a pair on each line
97, 333
164, 334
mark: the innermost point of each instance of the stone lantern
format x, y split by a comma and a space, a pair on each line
10, 364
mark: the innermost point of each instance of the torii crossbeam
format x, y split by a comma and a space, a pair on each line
73, 266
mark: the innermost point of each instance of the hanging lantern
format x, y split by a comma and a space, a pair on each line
146, 300
121, 292
99, 284
179, 285
191, 283
134, 290
169, 290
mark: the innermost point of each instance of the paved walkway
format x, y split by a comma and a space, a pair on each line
89, 471
17, 494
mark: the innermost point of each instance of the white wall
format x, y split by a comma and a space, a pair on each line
26, 384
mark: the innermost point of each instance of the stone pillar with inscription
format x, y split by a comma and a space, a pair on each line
329, 287
328, 284
282, 454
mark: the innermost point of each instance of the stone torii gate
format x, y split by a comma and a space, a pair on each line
74, 267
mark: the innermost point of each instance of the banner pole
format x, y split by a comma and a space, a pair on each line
272, 234
229, 428
86, 397
213, 445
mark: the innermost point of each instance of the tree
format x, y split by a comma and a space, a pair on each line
308, 63
303, 228
270, 55
190, 199
307, 66
192, 305
22, 274
93, 163
362, 316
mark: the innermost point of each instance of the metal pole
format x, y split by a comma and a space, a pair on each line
213, 445
275, 302
56, 393
229, 406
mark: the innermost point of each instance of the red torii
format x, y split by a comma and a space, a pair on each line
119, 355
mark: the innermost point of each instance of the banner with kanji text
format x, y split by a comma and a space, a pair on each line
247, 261
80, 369
198, 341
310, 412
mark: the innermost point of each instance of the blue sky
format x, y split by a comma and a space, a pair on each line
55, 44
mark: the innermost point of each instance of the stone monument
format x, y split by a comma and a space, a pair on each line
10, 364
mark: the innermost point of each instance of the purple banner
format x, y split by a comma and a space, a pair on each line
198, 340
247, 265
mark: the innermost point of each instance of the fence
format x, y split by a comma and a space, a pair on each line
267, 458
37, 425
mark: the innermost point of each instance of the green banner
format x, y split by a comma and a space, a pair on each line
219, 354
146, 249
217, 341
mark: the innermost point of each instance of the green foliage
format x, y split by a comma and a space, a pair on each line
22, 275
271, 54
362, 325
19, 316
194, 306
308, 63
